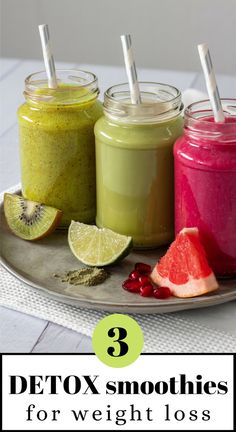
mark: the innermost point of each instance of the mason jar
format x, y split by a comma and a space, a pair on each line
57, 144
205, 182
134, 162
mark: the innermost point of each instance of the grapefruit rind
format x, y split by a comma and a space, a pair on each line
193, 288
184, 268
192, 230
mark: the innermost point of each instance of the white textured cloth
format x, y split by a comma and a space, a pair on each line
162, 332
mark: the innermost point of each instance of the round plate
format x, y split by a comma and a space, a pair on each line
35, 263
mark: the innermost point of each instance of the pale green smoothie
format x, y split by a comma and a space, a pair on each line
135, 177
57, 149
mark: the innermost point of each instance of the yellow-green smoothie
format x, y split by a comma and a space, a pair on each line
134, 165
57, 147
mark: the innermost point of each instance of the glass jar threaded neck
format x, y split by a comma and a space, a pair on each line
160, 102
199, 122
74, 86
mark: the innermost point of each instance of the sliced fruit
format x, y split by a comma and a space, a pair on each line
184, 268
97, 246
30, 220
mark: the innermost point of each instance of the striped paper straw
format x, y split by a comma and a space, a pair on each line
211, 84
131, 69
47, 56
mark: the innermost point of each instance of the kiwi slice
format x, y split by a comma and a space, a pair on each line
30, 220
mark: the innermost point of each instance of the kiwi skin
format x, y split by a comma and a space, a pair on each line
51, 228
56, 222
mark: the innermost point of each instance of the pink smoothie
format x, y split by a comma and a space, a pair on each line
205, 185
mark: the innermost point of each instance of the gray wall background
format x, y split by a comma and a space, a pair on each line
165, 32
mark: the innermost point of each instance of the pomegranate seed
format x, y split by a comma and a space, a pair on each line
162, 293
134, 275
147, 290
131, 285
144, 280
143, 268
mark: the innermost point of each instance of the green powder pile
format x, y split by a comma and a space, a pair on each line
88, 276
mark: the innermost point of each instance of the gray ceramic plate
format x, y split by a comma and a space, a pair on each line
35, 263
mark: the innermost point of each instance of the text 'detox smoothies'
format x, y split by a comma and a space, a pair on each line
57, 145
134, 162
205, 182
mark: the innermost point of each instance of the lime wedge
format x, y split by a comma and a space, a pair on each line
97, 246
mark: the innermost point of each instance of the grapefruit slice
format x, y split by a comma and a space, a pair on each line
184, 268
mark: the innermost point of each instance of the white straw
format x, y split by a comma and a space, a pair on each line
47, 56
211, 84
131, 69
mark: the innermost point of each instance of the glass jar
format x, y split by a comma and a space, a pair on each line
57, 144
134, 162
205, 182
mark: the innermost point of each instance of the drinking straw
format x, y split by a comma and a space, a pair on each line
211, 84
131, 69
47, 56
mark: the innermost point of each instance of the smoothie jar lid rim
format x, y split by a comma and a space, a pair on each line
108, 94
190, 114
94, 79
196, 124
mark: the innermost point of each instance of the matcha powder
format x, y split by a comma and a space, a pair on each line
88, 276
